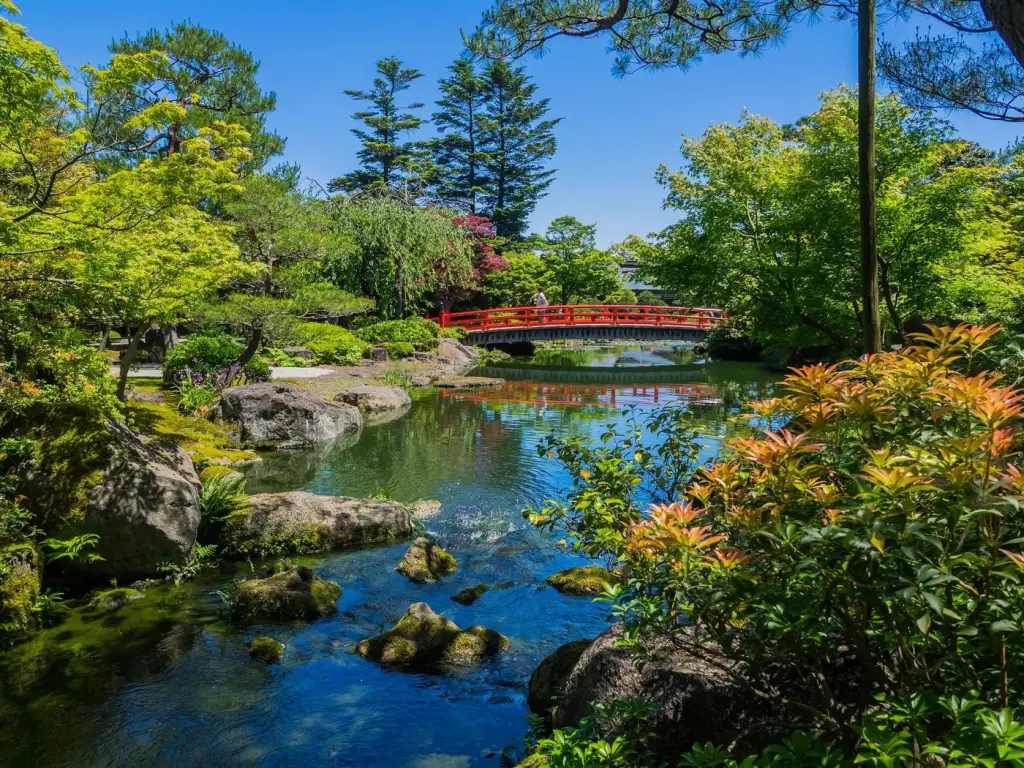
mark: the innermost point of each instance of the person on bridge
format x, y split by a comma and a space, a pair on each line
541, 301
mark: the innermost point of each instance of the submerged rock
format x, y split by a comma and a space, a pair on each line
425, 562
375, 400
19, 589
582, 580
298, 522
424, 637
470, 595
293, 594
275, 415
425, 508
547, 683
266, 649
113, 599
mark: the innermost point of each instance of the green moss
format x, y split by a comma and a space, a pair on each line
425, 562
20, 587
293, 594
113, 599
474, 643
72, 453
266, 649
312, 539
470, 595
205, 441
582, 580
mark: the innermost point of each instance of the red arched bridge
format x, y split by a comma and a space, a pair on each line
596, 322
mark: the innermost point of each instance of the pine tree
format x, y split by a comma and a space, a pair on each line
518, 141
459, 153
386, 161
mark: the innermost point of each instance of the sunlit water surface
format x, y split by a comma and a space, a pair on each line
165, 681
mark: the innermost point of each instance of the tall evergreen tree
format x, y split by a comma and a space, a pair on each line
519, 140
459, 153
386, 161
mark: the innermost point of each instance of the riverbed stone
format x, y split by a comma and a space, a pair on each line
425, 508
470, 595
582, 580
298, 522
115, 599
277, 415
424, 637
266, 649
547, 683
375, 400
425, 562
293, 594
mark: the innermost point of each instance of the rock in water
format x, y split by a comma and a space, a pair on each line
423, 637
425, 562
547, 683
468, 382
266, 649
582, 580
375, 399
114, 599
425, 508
293, 594
145, 507
304, 523
470, 595
274, 415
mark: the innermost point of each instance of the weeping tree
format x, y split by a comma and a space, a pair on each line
397, 251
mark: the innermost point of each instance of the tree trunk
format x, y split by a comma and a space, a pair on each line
129, 358
105, 338
254, 344
872, 320
1007, 16
890, 303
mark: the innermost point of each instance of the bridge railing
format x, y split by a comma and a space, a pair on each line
583, 314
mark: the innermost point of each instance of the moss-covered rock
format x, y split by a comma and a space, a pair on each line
266, 649
424, 637
470, 595
293, 594
582, 580
548, 680
425, 562
20, 585
113, 599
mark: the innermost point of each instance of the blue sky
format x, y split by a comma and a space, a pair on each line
614, 133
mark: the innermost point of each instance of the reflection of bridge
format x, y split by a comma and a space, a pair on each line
594, 322
656, 374
544, 394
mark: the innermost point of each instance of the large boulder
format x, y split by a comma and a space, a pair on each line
697, 698
298, 522
424, 637
275, 415
425, 562
144, 507
21, 566
457, 353
547, 683
286, 596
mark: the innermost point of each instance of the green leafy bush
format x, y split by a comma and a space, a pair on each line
422, 334
280, 358
880, 532
398, 349
211, 361
194, 399
332, 344
453, 332
398, 378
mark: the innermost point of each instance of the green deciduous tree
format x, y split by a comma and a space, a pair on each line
516, 285
574, 264
387, 160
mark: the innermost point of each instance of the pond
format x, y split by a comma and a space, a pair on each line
166, 681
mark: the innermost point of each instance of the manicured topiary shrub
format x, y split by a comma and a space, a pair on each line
332, 344
453, 332
210, 361
398, 349
422, 334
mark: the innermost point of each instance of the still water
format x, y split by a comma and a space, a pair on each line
166, 681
